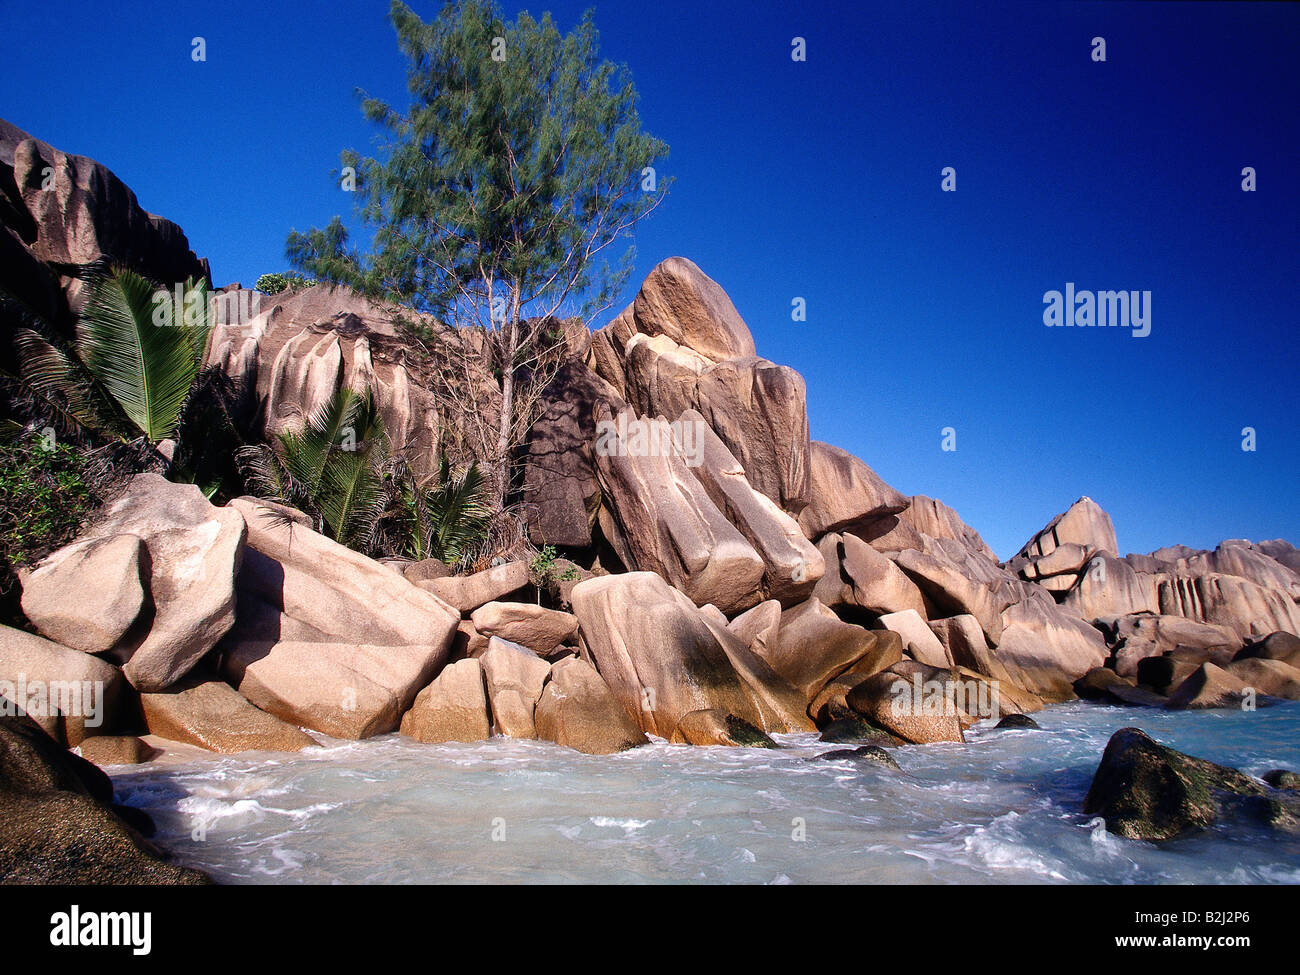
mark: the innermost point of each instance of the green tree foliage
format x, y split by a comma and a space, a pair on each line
446, 516
518, 163
276, 282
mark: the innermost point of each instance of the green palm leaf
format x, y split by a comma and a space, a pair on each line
146, 367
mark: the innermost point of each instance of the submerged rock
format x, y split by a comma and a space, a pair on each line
855, 729
867, 753
714, 727
1148, 791
1016, 721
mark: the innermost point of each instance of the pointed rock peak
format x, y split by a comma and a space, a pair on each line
1084, 523
680, 301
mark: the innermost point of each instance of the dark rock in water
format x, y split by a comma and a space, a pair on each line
867, 753
1093, 685
1164, 673
1016, 721
58, 824
855, 729
746, 735
1137, 696
1280, 778
1147, 791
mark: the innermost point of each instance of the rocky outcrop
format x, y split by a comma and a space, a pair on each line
192, 553
681, 346
467, 593
813, 646
214, 716
858, 576
453, 708
715, 727
846, 494
890, 701
60, 212
1067, 541
1045, 650
1148, 791
663, 658
58, 824
658, 517
578, 710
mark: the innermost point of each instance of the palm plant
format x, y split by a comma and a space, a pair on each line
130, 370
447, 514
335, 468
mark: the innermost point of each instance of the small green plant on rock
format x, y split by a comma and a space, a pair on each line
546, 574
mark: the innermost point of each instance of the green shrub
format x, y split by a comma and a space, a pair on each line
277, 281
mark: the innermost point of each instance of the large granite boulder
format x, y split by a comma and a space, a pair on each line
539, 629
467, 593
297, 585
681, 345
858, 576
453, 708
663, 658
87, 595
215, 716
577, 710
813, 646
792, 564
345, 690
891, 701
194, 553
515, 677
70, 694
1045, 650
658, 517
846, 494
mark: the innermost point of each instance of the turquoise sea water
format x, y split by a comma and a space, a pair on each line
1003, 808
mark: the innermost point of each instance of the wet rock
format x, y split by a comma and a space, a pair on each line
115, 750
215, 716
891, 702
1148, 791
1016, 721
453, 708
867, 753
578, 710
713, 727
855, 729
1280, 778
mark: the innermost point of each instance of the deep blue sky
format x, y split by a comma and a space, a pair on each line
822, 180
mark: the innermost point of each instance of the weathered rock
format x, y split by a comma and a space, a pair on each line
70, 210
1244, 606
426, 570
115, 750
1164, 673
1271, 677
1140, 636
1276, 646
845, 493
813, 646
1280, 778
296, 585
515, 677
194, 551
853, 728
539, 629
1111, 587
662, 658
70, 694
1094, 685
1084, 523
873, 754
952, 591
560, 482
1208, 687
924, 518
57, 824
664, 367
468, 593
713, 727
888, 700
453, 708
214, 716
859, 576
1045, 650
792, 565
341, 689
659, 518
88, 594
918, 639
1016, 721
1147, 791
578, 710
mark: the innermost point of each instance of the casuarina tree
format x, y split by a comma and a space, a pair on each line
497, 202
